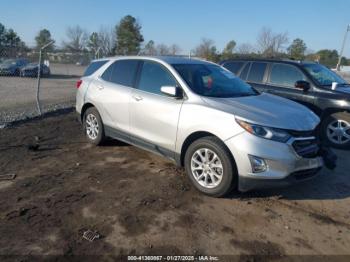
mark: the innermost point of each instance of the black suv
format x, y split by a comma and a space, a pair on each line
308, 83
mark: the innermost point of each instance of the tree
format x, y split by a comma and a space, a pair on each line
43, 38
207, 50
271, 44
328, 57
162, 49
2, 37
93, 43
106, 39
128, 36
149, 49
174, 49
227, 53
77, 39
12, 40
297, 49
245, 49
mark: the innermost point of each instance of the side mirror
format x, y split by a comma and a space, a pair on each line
304, 85
172, 91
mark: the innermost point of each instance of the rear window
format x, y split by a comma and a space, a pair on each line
257, 72
234, 67
93, 67
121, 72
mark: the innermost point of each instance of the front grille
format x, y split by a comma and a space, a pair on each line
307, 148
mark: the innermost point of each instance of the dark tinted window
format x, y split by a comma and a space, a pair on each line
245, 71
108, 73
93, 67
154, 76
285, 75
257, 72
234, 67
124, 72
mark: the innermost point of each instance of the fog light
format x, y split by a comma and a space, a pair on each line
258, 164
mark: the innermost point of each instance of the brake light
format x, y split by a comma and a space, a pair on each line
79, 82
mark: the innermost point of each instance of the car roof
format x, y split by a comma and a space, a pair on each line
172, 60
270, 60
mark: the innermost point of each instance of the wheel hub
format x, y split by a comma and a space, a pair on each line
338, 132
207, 168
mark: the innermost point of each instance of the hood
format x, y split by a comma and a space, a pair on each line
268, 110
30, 67
344, 89
6, 66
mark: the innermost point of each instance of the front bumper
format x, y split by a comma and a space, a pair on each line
284, 165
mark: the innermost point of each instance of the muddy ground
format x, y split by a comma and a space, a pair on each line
142, 204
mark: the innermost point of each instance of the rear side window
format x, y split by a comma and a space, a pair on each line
93, 67
285, 75
153, 77
257, 72
121, 72
234, 67
245, 71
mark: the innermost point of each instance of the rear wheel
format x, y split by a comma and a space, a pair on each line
93, 126
210, 167
336, 130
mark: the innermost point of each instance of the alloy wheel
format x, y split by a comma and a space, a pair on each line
92, 127
207, 168
338, 132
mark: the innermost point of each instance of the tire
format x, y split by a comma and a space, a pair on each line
335, 130
228, 173
93, 119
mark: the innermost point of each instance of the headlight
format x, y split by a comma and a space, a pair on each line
265, 132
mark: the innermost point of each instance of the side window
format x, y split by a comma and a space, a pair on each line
257, 72
93, 67
285, 75
108, 73
234, 67
153, 77
124, 72
245, 71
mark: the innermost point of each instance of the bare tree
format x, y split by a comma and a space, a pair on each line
106, 38
207, 50
163, 49
269, 43
245, 49
174, 49
77, 39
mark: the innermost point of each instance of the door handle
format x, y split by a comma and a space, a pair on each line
100, 87
137, 97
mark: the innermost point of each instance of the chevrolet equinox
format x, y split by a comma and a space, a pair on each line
221, 130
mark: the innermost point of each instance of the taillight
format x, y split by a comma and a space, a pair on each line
79, 82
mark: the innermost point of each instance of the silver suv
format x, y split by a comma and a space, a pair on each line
222, 131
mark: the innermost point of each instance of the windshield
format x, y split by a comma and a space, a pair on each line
213, 81
323, 75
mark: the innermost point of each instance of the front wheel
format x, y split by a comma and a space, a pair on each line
93, 126
210, 167
336, 130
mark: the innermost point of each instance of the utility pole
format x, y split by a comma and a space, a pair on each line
39, 75
343, 46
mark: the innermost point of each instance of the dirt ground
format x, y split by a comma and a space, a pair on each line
142, 204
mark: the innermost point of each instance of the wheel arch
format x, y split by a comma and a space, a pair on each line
84, 108
198, 135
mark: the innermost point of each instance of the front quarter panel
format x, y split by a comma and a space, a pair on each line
199, 118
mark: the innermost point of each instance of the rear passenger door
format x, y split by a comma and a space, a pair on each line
256, 75
281, 82
113, 92
154, 115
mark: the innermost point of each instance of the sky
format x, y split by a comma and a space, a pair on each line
320, 23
